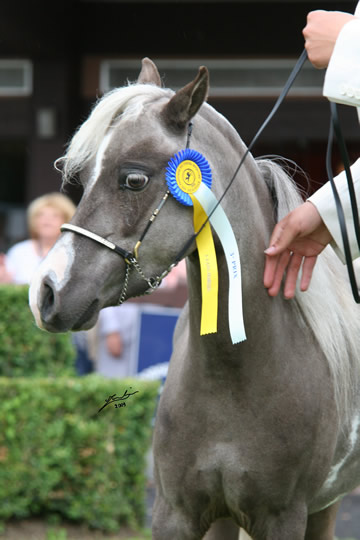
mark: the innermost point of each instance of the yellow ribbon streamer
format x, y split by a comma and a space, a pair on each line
209, 271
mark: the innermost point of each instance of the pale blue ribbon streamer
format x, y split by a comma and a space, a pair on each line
227, 238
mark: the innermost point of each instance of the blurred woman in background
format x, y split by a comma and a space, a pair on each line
45, 215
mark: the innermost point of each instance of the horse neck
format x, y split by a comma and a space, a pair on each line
249, 208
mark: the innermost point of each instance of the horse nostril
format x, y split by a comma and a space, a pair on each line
47, 301
48, 305
48, 297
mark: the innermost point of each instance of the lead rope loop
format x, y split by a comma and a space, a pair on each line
335, 127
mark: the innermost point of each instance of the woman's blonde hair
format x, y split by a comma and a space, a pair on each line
58, 201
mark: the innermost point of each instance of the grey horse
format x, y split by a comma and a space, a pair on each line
262, 434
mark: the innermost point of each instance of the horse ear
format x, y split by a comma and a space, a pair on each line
149, 73
187, 101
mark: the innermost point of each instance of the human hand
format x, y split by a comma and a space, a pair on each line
321, 32
114, 344
5, 276
296, 242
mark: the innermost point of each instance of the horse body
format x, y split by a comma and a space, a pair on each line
266, 431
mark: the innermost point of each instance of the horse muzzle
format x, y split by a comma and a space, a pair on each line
52, 313
55, 300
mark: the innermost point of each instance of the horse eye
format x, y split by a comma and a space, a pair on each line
136, 181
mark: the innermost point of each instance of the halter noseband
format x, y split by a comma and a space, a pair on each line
129, 258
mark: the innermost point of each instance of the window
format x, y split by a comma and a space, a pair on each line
15, 77
228, 77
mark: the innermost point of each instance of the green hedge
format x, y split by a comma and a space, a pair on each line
24, 349
60, 456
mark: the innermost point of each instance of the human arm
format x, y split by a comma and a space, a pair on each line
324, 201
342, 79
5, 274
114, 344
109, 328
331, 39
305, 232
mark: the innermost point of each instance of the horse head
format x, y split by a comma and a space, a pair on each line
119, 155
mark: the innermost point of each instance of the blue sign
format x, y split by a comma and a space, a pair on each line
157, 326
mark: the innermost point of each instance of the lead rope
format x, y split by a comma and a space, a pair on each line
153, 283
335, 128
294, 73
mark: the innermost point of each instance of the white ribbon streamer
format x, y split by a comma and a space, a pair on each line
227, 238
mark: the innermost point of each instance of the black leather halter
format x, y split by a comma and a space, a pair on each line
131, 258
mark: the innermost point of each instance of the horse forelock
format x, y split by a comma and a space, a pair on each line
126, 102
328, 306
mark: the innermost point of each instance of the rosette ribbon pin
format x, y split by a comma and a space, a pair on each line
189, 179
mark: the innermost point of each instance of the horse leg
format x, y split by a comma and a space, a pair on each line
321, 526
284, 524
224, 528
168, 522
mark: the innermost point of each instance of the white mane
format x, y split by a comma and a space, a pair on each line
125, 101
328, 306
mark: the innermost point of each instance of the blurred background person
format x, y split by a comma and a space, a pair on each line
45, 215
114, 346
111, 347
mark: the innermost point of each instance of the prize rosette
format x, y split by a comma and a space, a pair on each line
189, 178
185, 173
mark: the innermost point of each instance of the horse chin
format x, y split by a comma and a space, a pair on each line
83, 321
88, 318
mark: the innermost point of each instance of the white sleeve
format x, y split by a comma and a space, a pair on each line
21, 262
109, 320
342, 85
342, 79
118, 318
324, 201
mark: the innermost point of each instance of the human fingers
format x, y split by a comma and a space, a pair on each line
320, 34
307, 271
312, 20
282, 263
270, 270
292, 273
311, 44
282, 236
